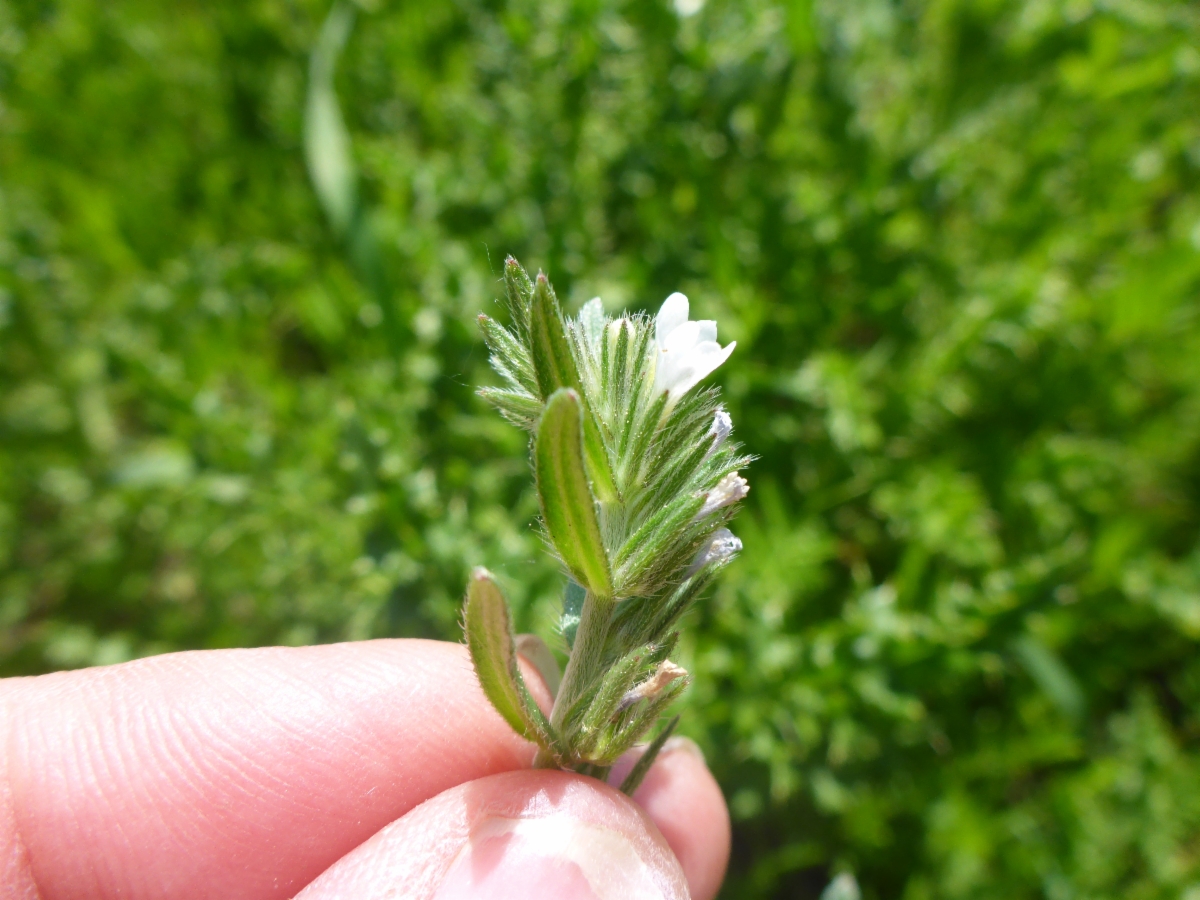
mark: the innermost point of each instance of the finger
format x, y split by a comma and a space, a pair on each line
548, 835
231, 774
466, 842
683, 799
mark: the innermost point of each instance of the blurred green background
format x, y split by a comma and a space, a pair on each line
957, 241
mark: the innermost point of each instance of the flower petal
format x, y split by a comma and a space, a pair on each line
722, 427
721, 547
726, 492
674, 312
687, 351
709, 355
682, 340
666, 368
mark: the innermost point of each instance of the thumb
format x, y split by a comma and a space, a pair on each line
525, 834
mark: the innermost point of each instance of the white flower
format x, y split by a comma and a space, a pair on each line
721, 547
721, 428
685, 351
729, 490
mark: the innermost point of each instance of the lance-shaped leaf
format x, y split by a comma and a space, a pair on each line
509, 356
587, 720
490, 641
568, 508
519, 408
552, 360
643, 620
554, 367
326, 140
518, 292
598, 464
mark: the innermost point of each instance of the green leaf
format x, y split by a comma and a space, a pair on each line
642, 620
599, 718
518, 293
644, 716
1051, 675
568, 508
660, 533
589, 717
490, 641
326, 140
554, 367
508, 354
518, 408
553, 363
598, 465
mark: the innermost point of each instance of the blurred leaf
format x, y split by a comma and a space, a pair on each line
158, 465
1051, 675
326, 141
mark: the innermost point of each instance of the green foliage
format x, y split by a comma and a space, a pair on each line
957, 241
489, 636
568, 508
550, 351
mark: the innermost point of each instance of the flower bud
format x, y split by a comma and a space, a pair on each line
666, 672
721, 547
722, 427
729, 490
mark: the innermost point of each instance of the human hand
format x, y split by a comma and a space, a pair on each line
361, 771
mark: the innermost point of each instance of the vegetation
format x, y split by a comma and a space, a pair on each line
957, 242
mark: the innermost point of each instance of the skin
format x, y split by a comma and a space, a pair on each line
340, 771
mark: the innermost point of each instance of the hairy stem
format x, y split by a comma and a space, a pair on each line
584, 664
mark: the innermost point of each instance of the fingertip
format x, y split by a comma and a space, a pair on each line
685, 802
542, 834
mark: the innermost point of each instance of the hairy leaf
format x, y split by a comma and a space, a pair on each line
518, 293
554, 367
490, 642
568, 509
553, 364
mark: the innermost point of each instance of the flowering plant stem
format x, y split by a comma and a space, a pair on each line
636, 478
583, 664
